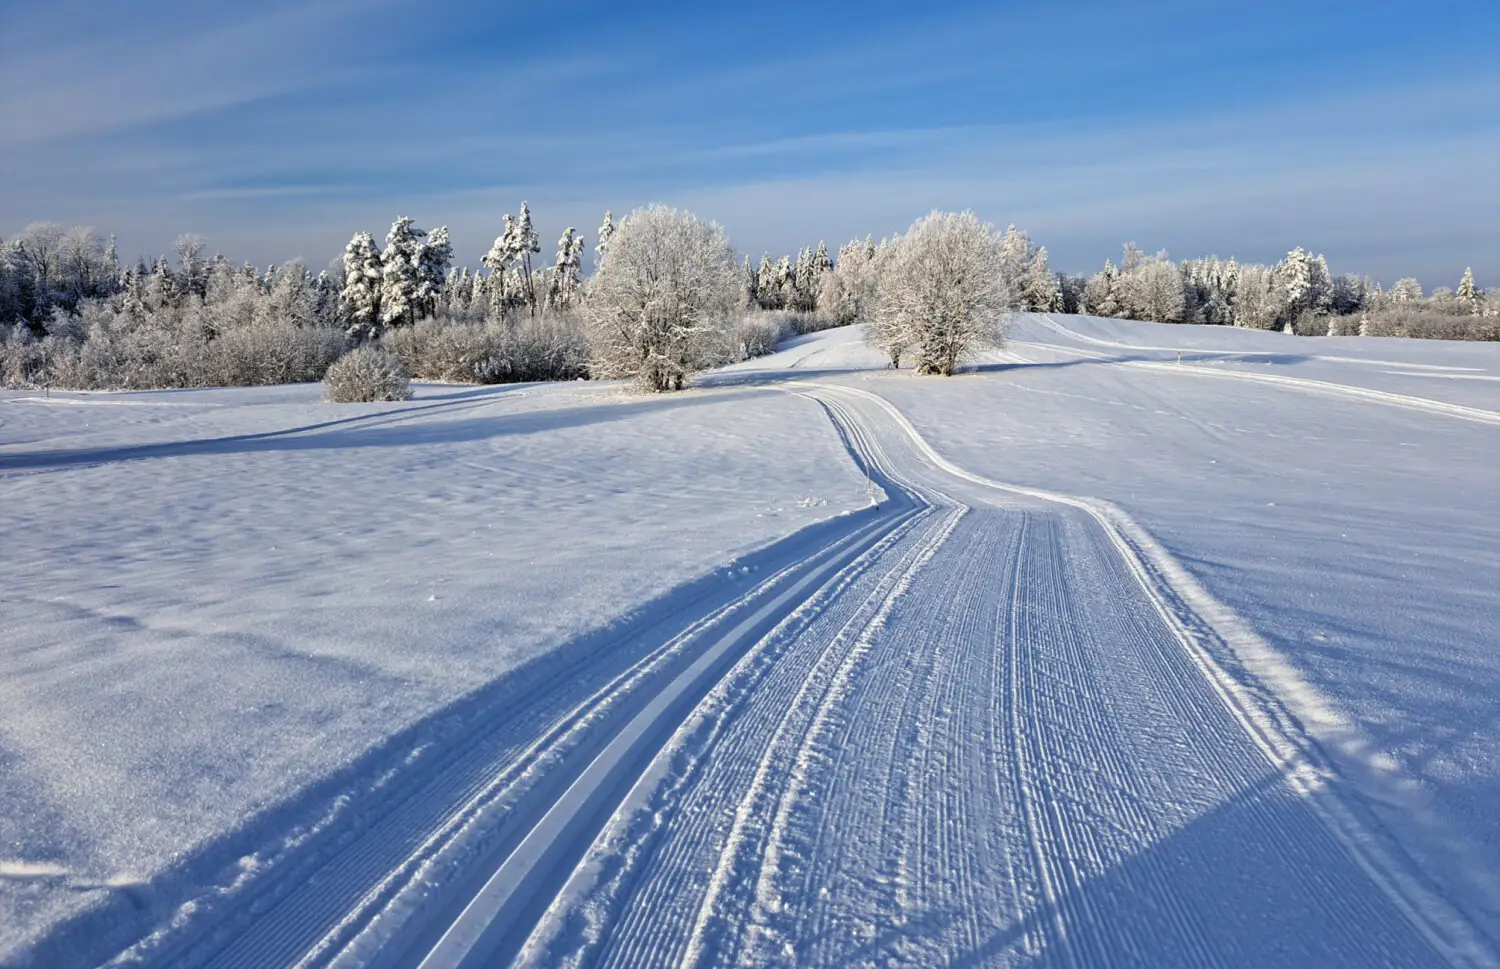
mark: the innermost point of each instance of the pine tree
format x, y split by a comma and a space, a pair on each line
567, 276
606, 233
525, 243
360, 296
1043, 291
1016, 253
162, 288
752, 284
497, 261
766, 287
433, 257
786, 283
1468, 296
401, 274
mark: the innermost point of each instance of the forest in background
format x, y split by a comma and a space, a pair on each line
72, 315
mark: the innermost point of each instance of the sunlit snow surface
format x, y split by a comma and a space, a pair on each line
228, 615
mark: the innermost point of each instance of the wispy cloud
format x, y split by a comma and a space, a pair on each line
137, 75
282, 128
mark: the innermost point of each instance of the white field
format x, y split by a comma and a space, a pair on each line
1137, 662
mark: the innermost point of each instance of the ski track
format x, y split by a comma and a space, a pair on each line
1423, 404
988, 725
972, 767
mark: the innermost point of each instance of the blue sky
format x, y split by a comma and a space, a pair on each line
1367, 131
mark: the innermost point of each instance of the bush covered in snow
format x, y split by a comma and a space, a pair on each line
365, 374
549, 346
756, 334
220, 326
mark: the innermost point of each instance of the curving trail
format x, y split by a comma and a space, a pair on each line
980, 726
1427, 405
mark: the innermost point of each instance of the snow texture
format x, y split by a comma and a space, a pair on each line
1159, 645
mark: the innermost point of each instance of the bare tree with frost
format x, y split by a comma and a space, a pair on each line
943, 294
659, 305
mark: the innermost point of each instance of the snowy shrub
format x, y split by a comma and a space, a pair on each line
756, 334
443, 350
1417, 321
942, 295
268, 353
659, 305
550, 346
366, 373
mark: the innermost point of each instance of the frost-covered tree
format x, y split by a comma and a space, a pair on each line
1154, 291
191, 264
360, 295
752, 284
401, 273
1347, 295
498, 261
1017, 255
1100, 297
606, 233
524, 245
1469, 297
1041, 290
768, 288
1406, 290
660, 303
943, 294
434, 254
1256, 302
567, 270
847, 293
1305, 284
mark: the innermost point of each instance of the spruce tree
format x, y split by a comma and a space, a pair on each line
606, 233
360, 296
1468, 296
401, 274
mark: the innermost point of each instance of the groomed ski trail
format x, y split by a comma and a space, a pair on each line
1015, 745
1426, 405
980, 725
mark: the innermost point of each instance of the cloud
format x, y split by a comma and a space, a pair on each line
286, 129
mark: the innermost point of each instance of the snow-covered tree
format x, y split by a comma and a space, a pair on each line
401, 273
567, 270
752, 284
606, 233
659, 305
523, 243
1099, 293
1017, 254
434, 254
1041, 289
768, 287
498, 261
1304, 282
1154, 290
360, 295
1406, 290
847, 294
943, 294
1469, 297
1256, 304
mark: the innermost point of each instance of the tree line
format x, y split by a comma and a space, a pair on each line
72, 316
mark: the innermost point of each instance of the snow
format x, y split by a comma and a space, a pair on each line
1136, 661
217, 601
